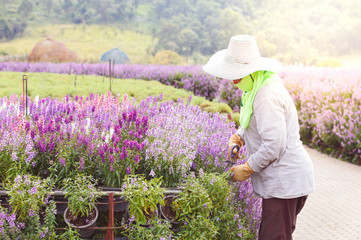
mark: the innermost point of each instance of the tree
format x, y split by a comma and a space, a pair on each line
166, 57
9, 28
188, 39
25, 8
167, 34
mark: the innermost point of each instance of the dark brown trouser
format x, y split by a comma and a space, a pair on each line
279, 217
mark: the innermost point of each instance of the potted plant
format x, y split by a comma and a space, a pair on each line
157, 229
193, 208
81, 212
192, 201
70, 233
31, 208
167, 210
143, 197
224, 215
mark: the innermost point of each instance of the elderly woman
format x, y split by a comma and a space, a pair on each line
281, 170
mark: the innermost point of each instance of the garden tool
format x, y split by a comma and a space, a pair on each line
234, 145
235, 150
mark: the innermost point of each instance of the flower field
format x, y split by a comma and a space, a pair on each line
111, 139
108, 140
327, 99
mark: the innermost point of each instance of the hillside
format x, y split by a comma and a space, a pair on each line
88, 41
306, 32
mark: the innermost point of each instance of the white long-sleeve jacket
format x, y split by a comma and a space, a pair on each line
283, 169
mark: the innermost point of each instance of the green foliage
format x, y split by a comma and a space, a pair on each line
206, 209
81, 194
198, 228
143, 197
27, 193
224, 214
235, 118
90, 42
329, 62
218, 188
158, 229
71, 159
9, 28
224, 108
29, 201
70, 233
14, 160
193, 201
193, 27
5, 165
166, 57
214, 107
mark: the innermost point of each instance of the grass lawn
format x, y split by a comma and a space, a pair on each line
59, 85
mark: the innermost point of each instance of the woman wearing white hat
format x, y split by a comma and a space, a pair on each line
281, 170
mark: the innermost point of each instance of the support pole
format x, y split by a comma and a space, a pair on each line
110, 232
110, 75
25, 96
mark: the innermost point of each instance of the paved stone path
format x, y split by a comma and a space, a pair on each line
333, 211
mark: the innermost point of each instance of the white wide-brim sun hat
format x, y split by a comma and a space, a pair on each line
240, 59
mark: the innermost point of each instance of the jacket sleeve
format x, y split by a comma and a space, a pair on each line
271, 126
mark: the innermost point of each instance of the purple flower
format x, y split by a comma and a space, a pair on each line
31, 213
136, 158
81, 164
128, 170
14, 157
111, 159
131, 219
62, 161
211, 182
33, 190
152, 173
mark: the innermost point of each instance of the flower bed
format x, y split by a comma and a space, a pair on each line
99, 137
327, 99
328, 102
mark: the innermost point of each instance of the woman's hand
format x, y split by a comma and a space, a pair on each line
241, 172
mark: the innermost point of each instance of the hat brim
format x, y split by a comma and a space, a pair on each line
218, 66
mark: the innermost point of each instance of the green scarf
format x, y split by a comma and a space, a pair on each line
261, 78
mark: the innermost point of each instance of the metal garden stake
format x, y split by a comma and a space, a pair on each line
25, 93
110, 75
